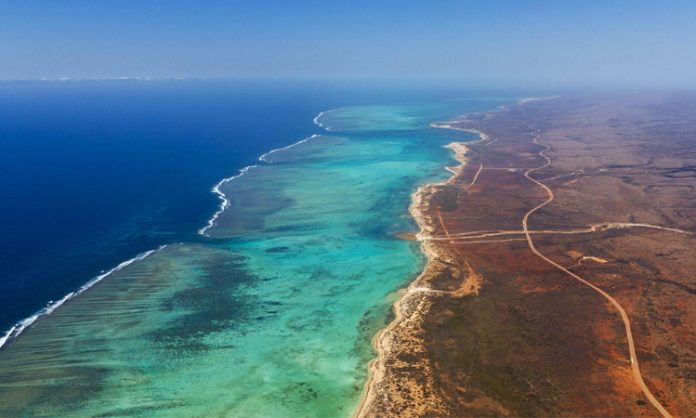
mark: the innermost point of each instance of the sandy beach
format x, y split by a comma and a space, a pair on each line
597, 284
388, 391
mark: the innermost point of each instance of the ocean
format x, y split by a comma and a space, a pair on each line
256, 299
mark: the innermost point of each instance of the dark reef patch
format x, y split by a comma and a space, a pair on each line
213, 305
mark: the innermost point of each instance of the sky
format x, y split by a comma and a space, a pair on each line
534, 42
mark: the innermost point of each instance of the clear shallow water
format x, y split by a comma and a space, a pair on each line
93, 173
270, 316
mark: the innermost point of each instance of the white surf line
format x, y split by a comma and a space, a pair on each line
22, 325
224, 204
318, 117
264, 157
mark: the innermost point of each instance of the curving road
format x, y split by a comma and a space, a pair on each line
624, 317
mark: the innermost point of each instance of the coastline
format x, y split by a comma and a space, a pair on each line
535, 341
418, 199
413, 302
446, 357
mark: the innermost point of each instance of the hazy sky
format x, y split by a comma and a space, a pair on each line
519, 42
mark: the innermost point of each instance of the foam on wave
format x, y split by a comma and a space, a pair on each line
225, 203
320, 115
264, 157
23, 324
20, 326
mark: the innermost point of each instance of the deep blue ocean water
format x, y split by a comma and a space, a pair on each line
94, 172
270, 312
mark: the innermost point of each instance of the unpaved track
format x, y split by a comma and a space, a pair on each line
478, 173
592, 229
624, 317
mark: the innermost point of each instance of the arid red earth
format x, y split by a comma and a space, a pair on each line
561, 275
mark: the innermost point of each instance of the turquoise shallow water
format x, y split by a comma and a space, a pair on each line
273, 313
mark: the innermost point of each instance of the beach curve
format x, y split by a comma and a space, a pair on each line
404, 304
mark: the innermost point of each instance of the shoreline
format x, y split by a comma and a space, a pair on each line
425, 357
380, 342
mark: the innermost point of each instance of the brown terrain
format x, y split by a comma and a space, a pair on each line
562, 268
